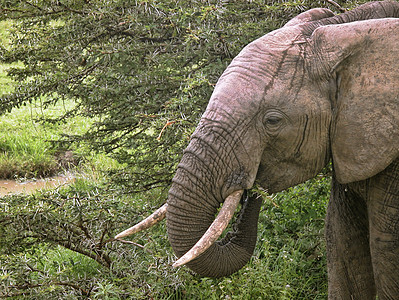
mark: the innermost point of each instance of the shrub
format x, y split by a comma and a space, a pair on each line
60, 244
143, 69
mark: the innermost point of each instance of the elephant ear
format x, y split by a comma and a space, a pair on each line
361, 59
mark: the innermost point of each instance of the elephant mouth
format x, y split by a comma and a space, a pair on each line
214, 231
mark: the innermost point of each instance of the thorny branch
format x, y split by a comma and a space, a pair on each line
28, 286
133, 243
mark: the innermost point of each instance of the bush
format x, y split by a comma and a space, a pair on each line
144, 70
60, 244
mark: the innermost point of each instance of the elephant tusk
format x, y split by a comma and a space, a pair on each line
156, 217
214, 231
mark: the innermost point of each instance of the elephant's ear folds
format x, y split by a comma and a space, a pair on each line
362, 61
313, 14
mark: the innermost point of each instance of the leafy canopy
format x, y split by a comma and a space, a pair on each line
143, 70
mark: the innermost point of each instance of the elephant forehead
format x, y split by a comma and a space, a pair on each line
299, 93
260, 70
294, 97
269, 72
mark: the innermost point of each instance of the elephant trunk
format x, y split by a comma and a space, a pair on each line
226, 256
198, 189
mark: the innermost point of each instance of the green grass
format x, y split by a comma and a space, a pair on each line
27, 147
25, 143
25, 150
5, 82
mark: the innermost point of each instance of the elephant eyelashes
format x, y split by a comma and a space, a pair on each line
273, 121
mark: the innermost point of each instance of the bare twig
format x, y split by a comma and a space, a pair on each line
28, 286
133, 243
35, 270
168, 123
33, 5
75, 286
101, 242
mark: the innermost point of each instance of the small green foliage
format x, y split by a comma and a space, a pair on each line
144, 70
59, 241
59, 244
139, 75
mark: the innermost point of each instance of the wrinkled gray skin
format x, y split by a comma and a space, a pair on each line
321, 88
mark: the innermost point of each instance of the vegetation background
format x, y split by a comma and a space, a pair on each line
121, 85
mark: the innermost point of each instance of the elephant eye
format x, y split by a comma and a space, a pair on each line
273, 120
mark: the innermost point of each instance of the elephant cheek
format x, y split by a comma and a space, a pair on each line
269, 181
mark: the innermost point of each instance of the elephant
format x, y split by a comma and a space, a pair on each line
323, 88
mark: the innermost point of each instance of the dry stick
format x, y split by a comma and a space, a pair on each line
133, 243
168, 123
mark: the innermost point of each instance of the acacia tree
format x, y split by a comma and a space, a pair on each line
143, 70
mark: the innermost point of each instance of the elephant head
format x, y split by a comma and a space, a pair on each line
321, 88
